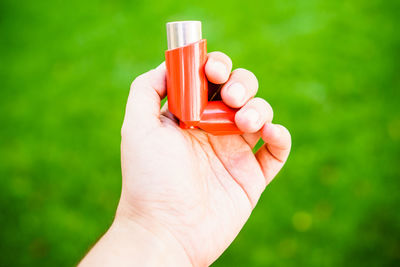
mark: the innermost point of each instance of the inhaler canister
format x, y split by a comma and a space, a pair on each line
187, 85
186, 80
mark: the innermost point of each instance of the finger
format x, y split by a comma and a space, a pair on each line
273, 154
143, 106
252, 138
252, 116
241, 86
238, 159
218, 67
278, 140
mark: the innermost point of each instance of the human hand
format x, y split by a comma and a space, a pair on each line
188, 191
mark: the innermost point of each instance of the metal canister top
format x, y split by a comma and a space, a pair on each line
182, 33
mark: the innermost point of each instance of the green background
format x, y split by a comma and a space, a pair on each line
330, 69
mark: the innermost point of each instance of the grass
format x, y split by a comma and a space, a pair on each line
330, 69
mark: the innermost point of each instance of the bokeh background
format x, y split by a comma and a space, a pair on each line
330, 69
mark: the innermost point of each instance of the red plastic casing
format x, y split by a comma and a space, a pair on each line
218, 119
186, 82
187, 88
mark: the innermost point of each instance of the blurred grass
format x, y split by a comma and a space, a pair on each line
330, 69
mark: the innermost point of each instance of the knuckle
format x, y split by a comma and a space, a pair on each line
141, 79
136, 81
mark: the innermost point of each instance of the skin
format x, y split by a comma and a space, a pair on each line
185, 193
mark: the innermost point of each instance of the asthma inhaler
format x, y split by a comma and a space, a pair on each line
187, 85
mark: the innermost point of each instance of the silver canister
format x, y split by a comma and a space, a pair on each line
181, 33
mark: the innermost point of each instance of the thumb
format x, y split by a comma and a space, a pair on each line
143, 107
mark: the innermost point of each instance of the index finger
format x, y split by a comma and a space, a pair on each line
218, 67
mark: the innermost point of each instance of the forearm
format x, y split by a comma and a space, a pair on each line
127, 243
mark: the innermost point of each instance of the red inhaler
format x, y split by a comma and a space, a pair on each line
187, 85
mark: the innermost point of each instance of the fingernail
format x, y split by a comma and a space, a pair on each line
252, 116
219, 68
238, 92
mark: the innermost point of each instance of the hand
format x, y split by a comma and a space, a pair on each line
190, 192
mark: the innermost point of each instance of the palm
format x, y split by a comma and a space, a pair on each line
190, 186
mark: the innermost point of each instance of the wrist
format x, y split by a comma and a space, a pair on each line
157, 246
128, 242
